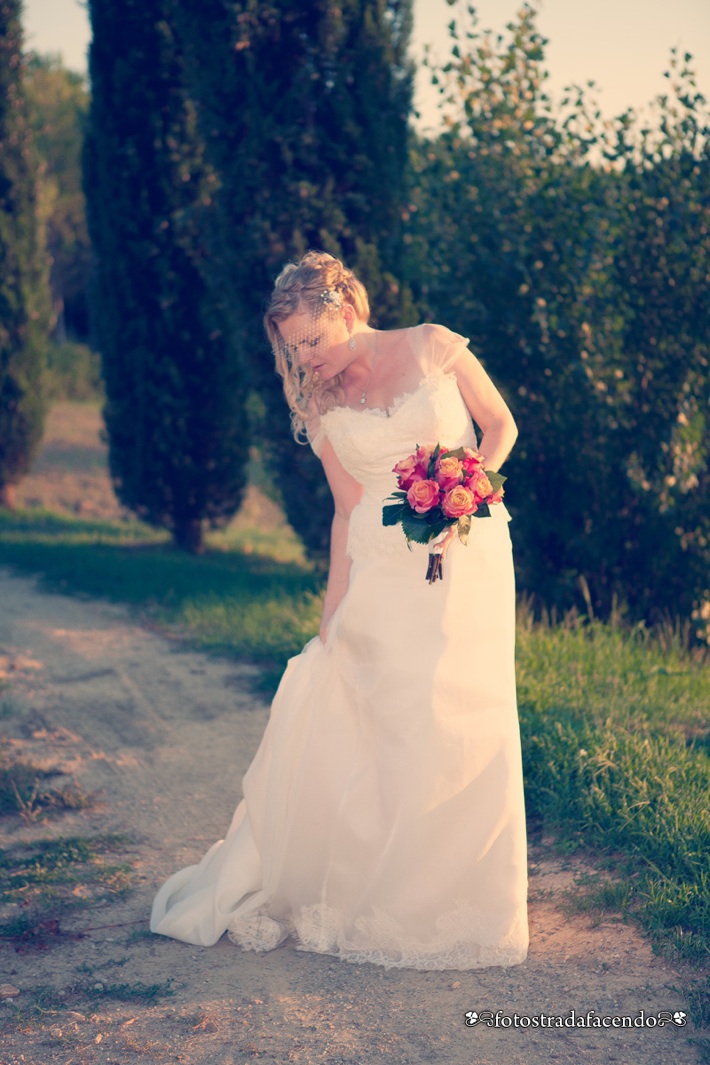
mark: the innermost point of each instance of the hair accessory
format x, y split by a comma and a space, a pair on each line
332, 298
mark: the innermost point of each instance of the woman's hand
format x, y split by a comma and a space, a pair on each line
346, 495
443, 545
323, 631
435, 570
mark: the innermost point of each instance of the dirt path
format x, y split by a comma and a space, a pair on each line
163, 737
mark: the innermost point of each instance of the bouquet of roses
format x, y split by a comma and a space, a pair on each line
441, 489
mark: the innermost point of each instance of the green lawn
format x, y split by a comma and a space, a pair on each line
615, 726
247, 603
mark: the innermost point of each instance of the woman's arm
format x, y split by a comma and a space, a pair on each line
490, 411
346, 495
487, 407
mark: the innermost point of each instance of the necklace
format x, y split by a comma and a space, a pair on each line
363, 394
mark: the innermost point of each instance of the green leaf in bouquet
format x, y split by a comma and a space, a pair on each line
434, 516
393, 513
436, 528
456, 453
482, 511
419, 534
417, 528
464, 528
495, 478
431, 469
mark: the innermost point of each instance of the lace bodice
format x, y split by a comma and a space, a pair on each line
369, 442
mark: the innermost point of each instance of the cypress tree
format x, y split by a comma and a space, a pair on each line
175, 392
24, 294
304, 107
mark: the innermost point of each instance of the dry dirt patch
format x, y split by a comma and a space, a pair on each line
70, 475
161, 737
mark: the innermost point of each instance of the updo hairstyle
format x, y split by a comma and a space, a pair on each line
305, 287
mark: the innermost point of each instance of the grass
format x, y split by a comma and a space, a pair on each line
614, 725
596, 896
244, 603
47, 878
18, 783
45, 1000
8, 707
73, 372
23, 790
137, 991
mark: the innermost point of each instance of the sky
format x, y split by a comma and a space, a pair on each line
622, 45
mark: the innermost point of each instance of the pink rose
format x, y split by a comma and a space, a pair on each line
423, 456
449, 472
458, 501
473, 461
423, 495
408, 471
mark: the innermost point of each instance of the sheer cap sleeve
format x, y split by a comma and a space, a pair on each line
443, 348
316, 437
314, 429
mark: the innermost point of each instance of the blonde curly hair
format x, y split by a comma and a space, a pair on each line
305, 287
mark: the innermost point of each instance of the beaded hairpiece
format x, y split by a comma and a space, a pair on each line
332, 298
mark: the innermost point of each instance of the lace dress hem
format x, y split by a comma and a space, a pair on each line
464, 939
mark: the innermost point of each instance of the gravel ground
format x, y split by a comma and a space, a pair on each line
162, 738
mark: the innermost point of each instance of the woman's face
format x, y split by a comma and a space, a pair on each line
320, 344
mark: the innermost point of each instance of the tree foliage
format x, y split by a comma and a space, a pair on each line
58, 102
304, 108
651, 365
175, 391
23, 273
575, 256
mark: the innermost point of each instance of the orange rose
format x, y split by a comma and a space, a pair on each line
423, 495
458, 501
449, 471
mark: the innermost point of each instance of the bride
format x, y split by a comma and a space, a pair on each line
383, 816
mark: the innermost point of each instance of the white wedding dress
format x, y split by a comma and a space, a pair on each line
383, 817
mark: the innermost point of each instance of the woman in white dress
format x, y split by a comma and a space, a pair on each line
383, 816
